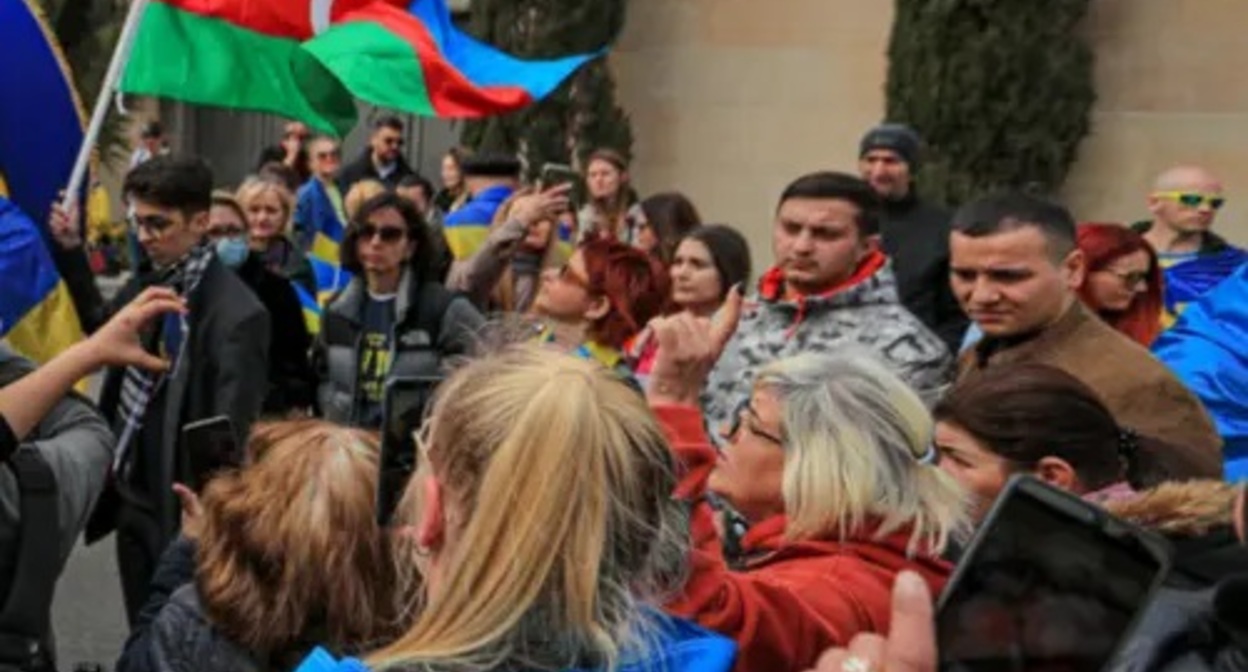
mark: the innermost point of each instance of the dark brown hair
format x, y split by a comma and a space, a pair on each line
672, 216
423, 264
1027, 412
290, 548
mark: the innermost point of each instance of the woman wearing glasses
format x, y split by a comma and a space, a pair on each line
831, 461
1123, 283
603, 297
292, 383
393, 320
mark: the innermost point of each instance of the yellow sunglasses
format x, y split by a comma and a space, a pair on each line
1192, 199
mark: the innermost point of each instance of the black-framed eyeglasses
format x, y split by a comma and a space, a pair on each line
153, 225
230, 231
740, 412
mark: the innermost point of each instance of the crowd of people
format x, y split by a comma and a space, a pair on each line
640, 455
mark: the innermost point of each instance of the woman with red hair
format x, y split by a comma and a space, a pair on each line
1123, 283
605, 294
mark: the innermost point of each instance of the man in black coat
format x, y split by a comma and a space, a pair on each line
219, 365
382, 160
915, 234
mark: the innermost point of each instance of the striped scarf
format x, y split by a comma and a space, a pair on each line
138, 386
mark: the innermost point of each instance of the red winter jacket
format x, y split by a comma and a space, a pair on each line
795, 598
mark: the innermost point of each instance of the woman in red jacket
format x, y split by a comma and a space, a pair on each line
831, 462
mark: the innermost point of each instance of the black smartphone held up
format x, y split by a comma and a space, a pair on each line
402, 411
209, 446
1049, 582
555, 174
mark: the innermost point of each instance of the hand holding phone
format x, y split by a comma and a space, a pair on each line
209, 446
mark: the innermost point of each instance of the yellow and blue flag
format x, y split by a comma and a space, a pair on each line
467, 228
1206, 351
41, 118
37, 314
330, 279
41, 130
1187, 281
320, 220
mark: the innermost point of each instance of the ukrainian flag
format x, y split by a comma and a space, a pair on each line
41, 129
41, 118
318, 214
330, 279
467, 228
37, 314
1188, 281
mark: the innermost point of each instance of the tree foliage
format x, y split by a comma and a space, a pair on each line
582, 115
1001, 90
87, 31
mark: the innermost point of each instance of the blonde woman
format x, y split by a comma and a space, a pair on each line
504, 274
270, 207
830, 461
544, 528
285, 554
360, 192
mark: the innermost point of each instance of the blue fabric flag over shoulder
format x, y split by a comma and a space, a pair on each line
1206, 350
41, 118
37, 315
1189, 280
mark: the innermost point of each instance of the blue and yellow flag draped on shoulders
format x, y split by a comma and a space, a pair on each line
1187, 281
1206, 350
319, 218
41, 130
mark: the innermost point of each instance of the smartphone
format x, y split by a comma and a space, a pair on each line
209, 446
402, 412
555, 174
1049, 582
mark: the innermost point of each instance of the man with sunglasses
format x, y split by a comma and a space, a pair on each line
1184, 203
382, 160
218, 364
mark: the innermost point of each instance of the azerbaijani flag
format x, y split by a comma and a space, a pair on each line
309, 60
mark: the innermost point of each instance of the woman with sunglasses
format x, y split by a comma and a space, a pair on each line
292, 383
1123, 284
830, 460
394, 320
602, 297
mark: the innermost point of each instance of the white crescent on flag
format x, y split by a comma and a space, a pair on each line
322, 10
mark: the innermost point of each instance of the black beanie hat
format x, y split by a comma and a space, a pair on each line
896, 137
490, 164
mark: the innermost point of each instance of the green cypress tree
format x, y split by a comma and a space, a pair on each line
1001, 91
582, 115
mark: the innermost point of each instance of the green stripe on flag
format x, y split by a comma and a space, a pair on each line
376, 64
207, 61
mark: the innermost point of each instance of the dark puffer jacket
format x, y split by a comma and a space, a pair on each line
915, 235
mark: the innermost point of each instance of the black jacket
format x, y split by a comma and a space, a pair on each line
362, 168
916, 237
1210, 243
223, 370
292, 382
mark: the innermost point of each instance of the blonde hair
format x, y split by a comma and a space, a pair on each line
856, 436
557, 482
359, 193
503, 296
290, 547
255, 187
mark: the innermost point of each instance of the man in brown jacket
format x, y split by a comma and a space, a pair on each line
1014, 270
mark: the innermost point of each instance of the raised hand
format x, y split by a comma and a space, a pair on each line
63, 224
688, 348
192, 510
911, 642
541, 205
119, 341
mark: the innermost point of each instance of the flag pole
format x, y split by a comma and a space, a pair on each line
112, 78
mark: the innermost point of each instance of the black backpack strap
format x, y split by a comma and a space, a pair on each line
25, 620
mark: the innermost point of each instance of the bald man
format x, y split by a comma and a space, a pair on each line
1184, 202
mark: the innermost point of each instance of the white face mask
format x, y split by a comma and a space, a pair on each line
232, 251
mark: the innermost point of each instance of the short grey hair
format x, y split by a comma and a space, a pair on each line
857, 439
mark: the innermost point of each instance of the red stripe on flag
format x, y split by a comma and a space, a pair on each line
450, 92
277, 18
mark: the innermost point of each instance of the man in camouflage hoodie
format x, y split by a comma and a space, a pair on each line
831, 289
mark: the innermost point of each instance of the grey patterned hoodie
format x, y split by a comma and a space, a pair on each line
864, 312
